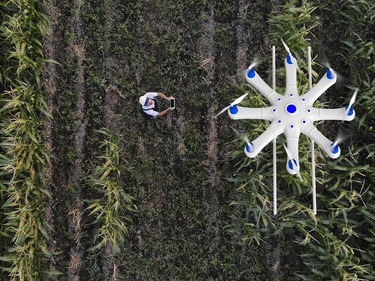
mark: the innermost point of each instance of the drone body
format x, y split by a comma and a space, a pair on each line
291, 114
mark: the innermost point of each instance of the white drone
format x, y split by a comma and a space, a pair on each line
291, 114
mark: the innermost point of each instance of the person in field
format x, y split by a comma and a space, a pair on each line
150, 105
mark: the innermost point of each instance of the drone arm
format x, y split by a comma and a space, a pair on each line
267, 136
255, 80
324, 83
252, 113
313, 133
291, 75
292, 137
332, 114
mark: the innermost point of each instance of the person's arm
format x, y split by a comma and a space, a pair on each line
165, 111
160, 94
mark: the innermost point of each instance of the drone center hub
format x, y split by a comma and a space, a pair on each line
291, 109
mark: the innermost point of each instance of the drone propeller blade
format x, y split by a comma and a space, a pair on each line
239, 100
236, 101
286, 47
224, 109
290, 158
245, 138
336, 142
341, 136
352, 100
252, 65
290, 53
288, 153
299, 176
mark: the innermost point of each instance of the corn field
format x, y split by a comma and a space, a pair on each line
90, 190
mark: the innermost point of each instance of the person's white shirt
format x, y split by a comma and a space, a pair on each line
149, 109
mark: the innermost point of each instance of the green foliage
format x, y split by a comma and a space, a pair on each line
293, 24
25, 158
109, 210
190, 49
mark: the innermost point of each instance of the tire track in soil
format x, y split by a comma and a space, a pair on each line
50, 83
207, 54
209, 63
76, 208
111, 104
273, 256
65, 217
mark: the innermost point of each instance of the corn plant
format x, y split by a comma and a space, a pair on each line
294, 24
24, 158
24, 169
110, 209
335, 243
347, 253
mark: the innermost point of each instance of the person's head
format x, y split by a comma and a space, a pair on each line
145, 101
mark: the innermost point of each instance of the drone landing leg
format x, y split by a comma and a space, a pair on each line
313, 175
313, 179
274, 140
